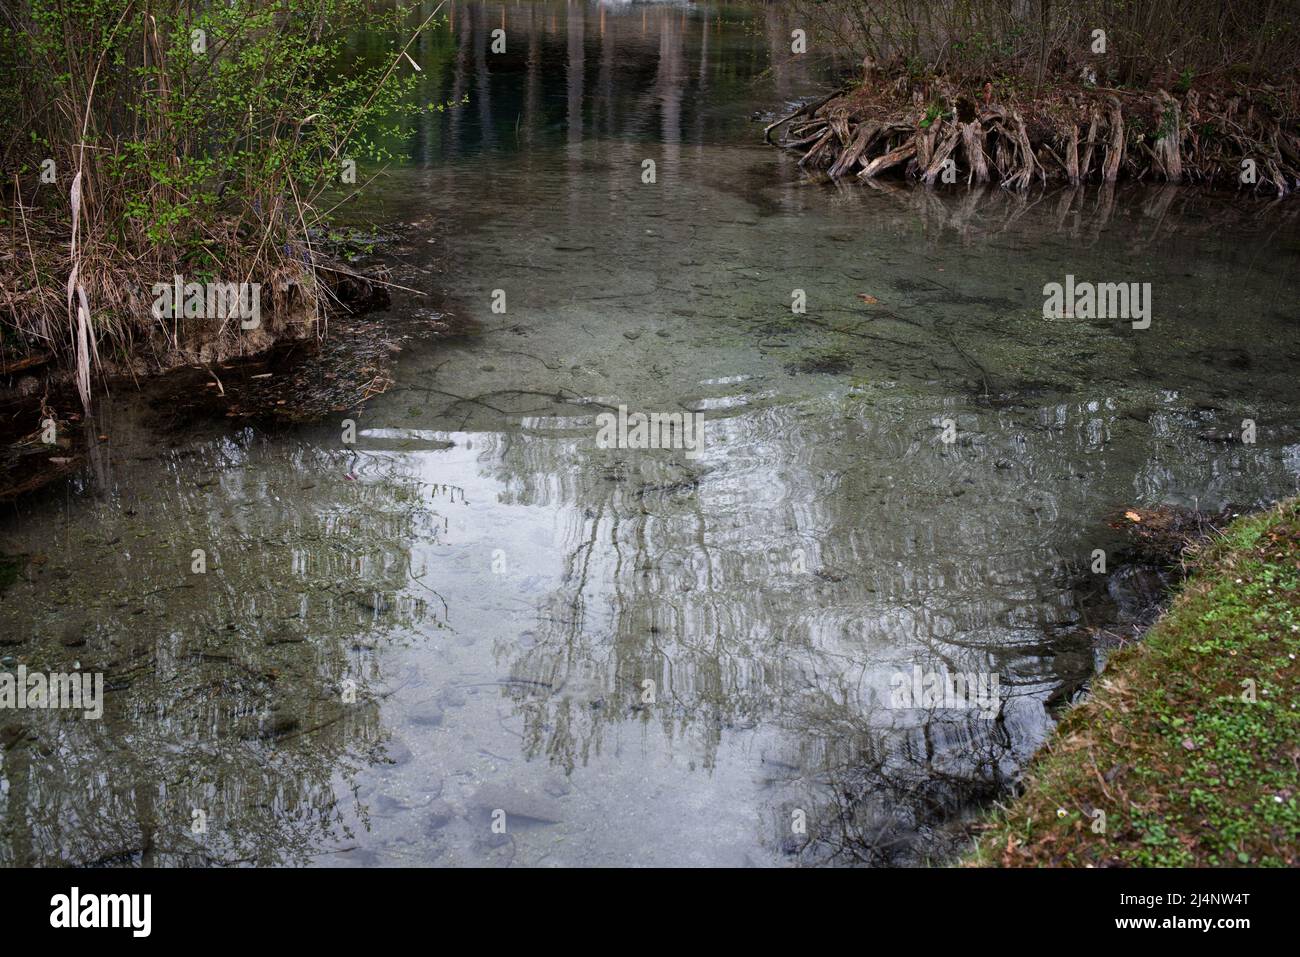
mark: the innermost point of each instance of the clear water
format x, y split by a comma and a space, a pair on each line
498, 588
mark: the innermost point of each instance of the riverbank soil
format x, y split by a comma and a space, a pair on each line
288, 380
1187, 752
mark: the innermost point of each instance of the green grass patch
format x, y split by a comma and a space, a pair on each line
1187, 752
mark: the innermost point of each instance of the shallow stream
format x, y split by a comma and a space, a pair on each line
498, 590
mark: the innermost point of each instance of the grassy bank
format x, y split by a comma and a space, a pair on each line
1190, 743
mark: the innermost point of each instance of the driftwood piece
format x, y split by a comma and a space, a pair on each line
1024, 154
26, 363
817, 150
1094, 123
1275, 174
1005, 152
890, 159
1169, 146
941, 154
972, 144
1072, 155
861, 143
1115, 148
840, 124
808, 108
803, 129
925, 143
805, 140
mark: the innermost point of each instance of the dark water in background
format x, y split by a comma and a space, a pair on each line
498, 589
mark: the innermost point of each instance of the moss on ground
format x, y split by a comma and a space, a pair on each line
1190, 742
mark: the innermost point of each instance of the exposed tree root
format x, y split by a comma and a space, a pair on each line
1247, 138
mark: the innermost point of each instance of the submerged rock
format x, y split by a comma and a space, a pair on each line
427, 713
520, 804
439, 815
397, 753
